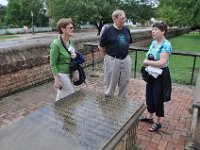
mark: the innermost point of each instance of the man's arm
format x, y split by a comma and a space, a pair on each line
102, 50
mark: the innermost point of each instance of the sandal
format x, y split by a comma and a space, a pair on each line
155, 127
145, 119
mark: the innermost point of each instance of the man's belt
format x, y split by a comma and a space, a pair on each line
119, 57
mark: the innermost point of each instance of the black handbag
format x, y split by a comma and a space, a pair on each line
82, 76
145, 75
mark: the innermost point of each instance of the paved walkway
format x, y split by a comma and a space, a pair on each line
172, 135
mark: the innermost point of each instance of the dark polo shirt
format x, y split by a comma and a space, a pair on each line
116, 41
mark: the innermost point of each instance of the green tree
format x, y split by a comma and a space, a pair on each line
19, 13
145, 12
138, 10
98, 12
195, 19
181, 13
2, 15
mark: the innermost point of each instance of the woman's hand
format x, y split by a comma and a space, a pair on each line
73, 55
57, 83
159, 63
145, 62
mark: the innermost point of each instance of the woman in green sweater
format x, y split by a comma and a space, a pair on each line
60, 58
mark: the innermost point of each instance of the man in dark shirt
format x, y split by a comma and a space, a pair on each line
114, 44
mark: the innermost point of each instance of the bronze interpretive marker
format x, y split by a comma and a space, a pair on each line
84, 120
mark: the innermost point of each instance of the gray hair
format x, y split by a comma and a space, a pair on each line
117, 12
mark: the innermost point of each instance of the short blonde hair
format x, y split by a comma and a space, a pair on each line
62, 23
117, 12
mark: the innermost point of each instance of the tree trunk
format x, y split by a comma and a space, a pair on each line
98, 26
99, 30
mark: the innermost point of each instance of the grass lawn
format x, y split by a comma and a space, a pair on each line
133, 27
180, 66
187, 42
7, 37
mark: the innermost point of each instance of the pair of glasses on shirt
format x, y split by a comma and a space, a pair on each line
150, 57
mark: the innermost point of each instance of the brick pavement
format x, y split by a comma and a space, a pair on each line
175, 125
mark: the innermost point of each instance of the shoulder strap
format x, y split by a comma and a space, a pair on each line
64, 45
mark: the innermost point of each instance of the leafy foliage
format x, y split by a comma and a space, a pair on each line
18, 13
98, 12
2, 15
181, 13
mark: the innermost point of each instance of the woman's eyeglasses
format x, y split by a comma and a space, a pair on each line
70, 28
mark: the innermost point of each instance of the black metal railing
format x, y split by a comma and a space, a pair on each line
136, 49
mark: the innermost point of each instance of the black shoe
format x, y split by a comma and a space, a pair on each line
155, 127
108, 97
145, 119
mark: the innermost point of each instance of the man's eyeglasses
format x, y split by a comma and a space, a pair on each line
122, 18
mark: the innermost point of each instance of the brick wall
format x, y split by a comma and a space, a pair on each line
18, 80
25, 66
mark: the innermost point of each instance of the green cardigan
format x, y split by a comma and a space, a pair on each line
59, 58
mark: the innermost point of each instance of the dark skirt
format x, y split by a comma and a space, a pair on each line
158, 91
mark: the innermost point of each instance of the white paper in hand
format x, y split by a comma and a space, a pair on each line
71, 49
155, 72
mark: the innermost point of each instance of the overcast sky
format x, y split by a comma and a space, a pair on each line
3, 2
